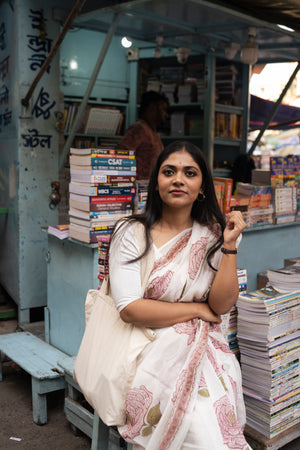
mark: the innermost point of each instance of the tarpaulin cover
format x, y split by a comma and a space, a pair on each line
286, 116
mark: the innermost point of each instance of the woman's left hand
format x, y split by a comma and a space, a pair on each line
234, 227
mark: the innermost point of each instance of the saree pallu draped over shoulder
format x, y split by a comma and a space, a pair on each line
187, 391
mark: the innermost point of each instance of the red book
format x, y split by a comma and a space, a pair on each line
228, 183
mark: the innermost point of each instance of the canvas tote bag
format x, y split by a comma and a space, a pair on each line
107, 358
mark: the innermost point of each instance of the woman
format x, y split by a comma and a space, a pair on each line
186, 393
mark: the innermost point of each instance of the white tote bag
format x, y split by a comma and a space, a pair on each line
106, 362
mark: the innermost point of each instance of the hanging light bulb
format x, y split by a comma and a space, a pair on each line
126, 42
249, 50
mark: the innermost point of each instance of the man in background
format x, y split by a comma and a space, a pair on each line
142, 135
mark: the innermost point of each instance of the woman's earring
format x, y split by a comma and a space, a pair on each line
201, 197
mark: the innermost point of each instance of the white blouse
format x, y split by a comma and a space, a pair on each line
125, 279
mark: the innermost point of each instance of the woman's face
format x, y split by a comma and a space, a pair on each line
179, 180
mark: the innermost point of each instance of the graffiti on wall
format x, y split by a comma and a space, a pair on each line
38, 42
33, 139
5, 119
42, 105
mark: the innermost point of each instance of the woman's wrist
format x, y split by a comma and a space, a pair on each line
229, 245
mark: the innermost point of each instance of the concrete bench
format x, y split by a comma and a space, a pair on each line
38, 359
102, 436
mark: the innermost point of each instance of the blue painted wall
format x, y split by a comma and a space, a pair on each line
84, 46
28, 151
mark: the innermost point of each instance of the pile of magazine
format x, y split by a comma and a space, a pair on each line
269, 344
286, 278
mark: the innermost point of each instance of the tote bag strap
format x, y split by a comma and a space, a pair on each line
146, 263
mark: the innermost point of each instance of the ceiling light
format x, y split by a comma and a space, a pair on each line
249, 50
73, 64
284, 27
126, 42
231, 50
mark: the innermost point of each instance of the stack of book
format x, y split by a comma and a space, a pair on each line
141, 195
60, 231
168, 90
187, 93
225, 83
232, 326
102, 260
285, 204
228, 125
254, 202
269, 344
287, 278
283, 176
101, 191
178, 122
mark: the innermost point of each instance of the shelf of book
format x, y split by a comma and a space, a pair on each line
189, 91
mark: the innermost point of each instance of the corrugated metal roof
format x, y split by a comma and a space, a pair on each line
203, 25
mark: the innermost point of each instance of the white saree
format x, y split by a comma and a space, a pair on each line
187, 390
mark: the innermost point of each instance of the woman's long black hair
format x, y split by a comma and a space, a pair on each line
206, 212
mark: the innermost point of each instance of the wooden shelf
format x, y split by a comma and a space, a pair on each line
227, 141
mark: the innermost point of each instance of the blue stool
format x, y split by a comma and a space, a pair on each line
102, 436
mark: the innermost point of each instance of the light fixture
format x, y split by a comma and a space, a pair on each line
73, 64
249, 50
284, 27
182, 54
231, 50
126, 42
157, 51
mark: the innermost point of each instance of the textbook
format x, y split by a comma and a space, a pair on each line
99, 221
100, 206
99, 169
86, 235
101, 151
98, 160
60, 231
91, 215
104, 190
102, 198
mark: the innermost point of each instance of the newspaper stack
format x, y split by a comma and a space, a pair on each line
269, 344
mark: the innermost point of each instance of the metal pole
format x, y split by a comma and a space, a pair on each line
78, 5
274, 110
88, 91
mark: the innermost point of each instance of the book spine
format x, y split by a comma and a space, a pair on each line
111, 198
95, 191
108, 151
111, 206
118, 169
227, 199
112, 162
99, 176
109, 156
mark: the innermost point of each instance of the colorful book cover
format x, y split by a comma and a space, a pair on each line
228, 183
276, 169
288, 171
